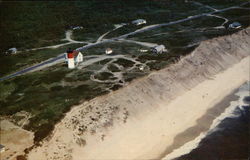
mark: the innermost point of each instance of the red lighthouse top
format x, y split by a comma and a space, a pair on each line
70, 53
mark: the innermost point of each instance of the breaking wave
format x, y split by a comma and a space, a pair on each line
233, 111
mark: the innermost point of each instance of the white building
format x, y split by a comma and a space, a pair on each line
77, 27
108, 51
78, 57
234, 25
11, 51
139, 22
158, 49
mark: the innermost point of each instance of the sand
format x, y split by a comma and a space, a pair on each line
146, 138
15, 139
142, 119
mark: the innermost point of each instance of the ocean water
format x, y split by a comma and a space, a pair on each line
228, 137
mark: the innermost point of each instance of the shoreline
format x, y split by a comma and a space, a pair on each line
225, 134
202, 124
147, 138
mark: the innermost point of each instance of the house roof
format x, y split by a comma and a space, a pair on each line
1, 146
75, 53
108, 49
236, 24
159, 47
138, 20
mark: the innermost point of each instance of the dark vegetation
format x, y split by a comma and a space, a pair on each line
44, 96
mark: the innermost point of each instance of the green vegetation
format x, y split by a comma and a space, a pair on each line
104, 76
113, 68
125, 63
46, 97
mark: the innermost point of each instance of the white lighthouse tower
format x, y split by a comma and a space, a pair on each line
71, 59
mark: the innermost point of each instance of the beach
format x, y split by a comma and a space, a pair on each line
227, 137
151, 117
149, 136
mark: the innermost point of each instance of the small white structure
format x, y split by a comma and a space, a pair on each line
141, 68
73, 58
11, 51
2, 148
234, 25
158, 49
78, 57
108, 51
77, 27
143, 50
139, 22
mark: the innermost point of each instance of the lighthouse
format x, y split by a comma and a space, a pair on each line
71, 59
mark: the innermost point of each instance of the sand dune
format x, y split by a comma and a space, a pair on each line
142, 119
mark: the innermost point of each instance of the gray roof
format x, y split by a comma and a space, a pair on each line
138, 20
159, 47
1, 146
13, 49
235, 24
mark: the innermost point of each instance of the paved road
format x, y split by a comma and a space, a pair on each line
29, 69
147, 28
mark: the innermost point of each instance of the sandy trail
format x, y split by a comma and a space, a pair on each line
68, 35
207, 6
102, 36
145, 44
15, 139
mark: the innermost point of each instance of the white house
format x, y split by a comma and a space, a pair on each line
234, 25
139, 22
77, 27
108, 51
11, 51
78, 57
158, 49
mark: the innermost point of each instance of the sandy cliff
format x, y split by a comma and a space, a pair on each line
142, 119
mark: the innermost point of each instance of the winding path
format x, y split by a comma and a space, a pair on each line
60, 58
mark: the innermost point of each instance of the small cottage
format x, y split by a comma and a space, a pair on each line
108, 51
234, 25
78, 56
77, 27
2, 148
158, 49
139, 22
11, 51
